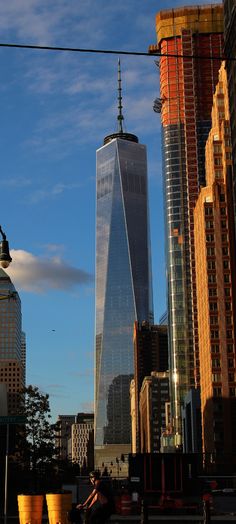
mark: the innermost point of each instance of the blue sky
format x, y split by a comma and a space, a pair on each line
56, 109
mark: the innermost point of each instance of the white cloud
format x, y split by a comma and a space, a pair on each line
16, 182
54, 191
40, 274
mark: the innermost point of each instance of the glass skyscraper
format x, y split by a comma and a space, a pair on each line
123, 285
12, 359
187, 87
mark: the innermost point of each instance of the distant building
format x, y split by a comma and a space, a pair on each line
123, 283
64, 435
23, 356
82, 440
3, 399
186, 90
216, 287
150, 354
154, 395
133, 412
12, 368
164, 319
192, 424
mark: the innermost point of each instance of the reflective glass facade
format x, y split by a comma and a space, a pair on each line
187, 88
12, 365
123, 283
10, 320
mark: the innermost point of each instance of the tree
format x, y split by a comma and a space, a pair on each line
36, 443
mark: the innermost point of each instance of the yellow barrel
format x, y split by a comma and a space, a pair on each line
30, 509
58, 505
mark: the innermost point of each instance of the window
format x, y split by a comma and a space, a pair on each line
226, 278
225, 264
211, 278
232, 392
229, 348
213, 306
223, 211
215, 348
211, 264
217, 392
210, 251
214, 333
208, 211
210, 237
224, 237
230, 363
227, 292
209, 224
212, 292
215, 363
216, 377
213, 320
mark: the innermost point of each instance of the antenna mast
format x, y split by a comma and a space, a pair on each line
120, 117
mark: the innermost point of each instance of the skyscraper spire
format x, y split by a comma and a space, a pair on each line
120, 133
120, 107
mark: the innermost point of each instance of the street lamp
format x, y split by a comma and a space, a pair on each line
5, 258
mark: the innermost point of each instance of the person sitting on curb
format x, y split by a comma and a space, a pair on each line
100, 504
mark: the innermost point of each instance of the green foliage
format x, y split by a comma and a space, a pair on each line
37, 437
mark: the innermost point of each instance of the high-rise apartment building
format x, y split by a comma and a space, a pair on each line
190, 40
65, 423
12, 368
82, 440
154, 396
23, 356
123, 283
216, 289
230, 53
150, 354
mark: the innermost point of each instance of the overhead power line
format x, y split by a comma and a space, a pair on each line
113, 52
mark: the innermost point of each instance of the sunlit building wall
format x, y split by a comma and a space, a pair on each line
123, 286
133, 412
215, 279
187, 86
82, 440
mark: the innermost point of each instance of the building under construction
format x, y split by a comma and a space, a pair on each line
190, 40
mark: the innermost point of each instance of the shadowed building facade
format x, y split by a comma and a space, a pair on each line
150, 354
12, 349
154, 395
187, 87
123, 284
